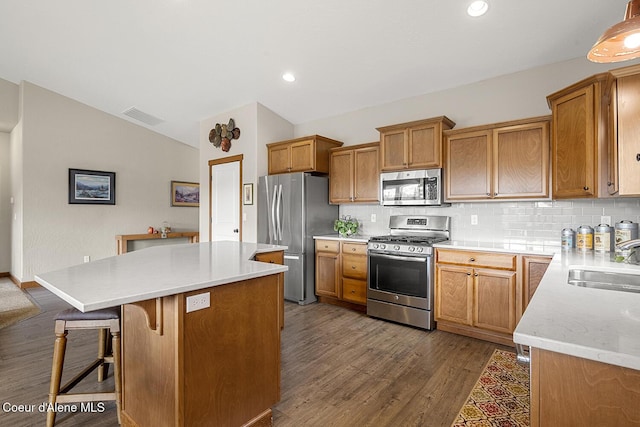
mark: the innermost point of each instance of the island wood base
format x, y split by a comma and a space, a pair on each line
215, 366
570, 391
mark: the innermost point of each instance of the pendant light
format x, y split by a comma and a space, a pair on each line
622, 41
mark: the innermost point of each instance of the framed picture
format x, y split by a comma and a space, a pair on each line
185, 193
88, 187
247, 194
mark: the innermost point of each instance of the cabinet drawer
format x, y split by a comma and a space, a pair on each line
354, 290
328, 246
271, 257
354, 248
354, 266
477, 259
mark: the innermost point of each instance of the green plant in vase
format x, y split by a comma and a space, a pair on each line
346, 226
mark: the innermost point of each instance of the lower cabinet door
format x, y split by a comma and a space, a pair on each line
327, 274
494, 300
454, 293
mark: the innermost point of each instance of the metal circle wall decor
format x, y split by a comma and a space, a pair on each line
221, 135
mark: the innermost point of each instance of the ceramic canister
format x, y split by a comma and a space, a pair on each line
626, 230
603, 238
568, 238
584, 238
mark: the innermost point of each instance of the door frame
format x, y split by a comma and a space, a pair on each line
212, 163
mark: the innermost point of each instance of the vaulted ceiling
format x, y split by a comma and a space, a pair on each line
184, 60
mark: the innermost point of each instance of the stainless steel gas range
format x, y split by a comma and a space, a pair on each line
400, 283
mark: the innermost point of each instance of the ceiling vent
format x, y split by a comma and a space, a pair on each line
141, 116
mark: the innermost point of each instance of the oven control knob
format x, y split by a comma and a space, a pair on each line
419, 249
396, 247
383, 246
375, 246
411, 249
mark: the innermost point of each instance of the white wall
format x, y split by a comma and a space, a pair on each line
5, 205
8, 105
56, 133
509, 97
258, 127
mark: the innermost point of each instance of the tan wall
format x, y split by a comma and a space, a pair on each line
5, 204
58, 133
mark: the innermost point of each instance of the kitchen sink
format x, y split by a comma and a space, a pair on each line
605, 280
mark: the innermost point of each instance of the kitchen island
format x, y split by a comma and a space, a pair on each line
186, 361
585, 347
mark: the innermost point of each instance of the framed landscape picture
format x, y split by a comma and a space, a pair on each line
185, 193
89, 187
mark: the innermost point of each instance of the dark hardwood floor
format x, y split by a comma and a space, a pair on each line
339, 368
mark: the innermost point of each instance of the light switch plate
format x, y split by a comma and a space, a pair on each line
605, 220
373, 218
198, 302
474, 219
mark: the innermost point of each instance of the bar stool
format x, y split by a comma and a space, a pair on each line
106, 320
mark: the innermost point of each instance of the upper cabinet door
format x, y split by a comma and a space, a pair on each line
468, 166
302, 156
340, 177
574, 145
628, 134
366, 174
393, 149
424, 146
521, 161
279, 159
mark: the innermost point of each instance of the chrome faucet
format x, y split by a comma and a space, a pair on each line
629, 244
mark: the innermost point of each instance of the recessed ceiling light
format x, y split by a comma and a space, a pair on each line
288, 77
478, 8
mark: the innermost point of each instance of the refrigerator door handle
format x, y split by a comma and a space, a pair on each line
272, 226
279, 203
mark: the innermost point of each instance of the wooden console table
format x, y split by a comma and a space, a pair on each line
124, 239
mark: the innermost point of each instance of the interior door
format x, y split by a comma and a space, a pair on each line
225, 208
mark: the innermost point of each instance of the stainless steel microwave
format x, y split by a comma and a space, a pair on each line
412, 188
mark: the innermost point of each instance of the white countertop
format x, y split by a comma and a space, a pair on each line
363, 238
156, 272
596, 324
520, 247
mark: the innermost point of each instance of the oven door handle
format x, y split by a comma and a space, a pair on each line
398, 258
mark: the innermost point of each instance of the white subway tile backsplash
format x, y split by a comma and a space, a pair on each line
519, 222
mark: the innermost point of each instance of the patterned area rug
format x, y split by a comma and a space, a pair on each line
500, 397
15, 304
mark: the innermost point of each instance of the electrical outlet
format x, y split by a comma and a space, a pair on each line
373, 217
198, 302
87, 258
474, 219
605, 220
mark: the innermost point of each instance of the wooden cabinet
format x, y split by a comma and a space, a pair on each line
476, 294
341, 273
354, 272
275, 257
579, 139
354, 174
413, 145
508, 160
572, 391
307, 154
328, 268
624, 150
533, 268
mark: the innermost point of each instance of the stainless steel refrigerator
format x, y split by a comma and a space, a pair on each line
292, 208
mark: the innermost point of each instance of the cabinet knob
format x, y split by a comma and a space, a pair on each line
353, 291
489, 194
472, 259
495, 194
638, 157
476, 275
468, 274
353, 267
353, 249
585, 188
